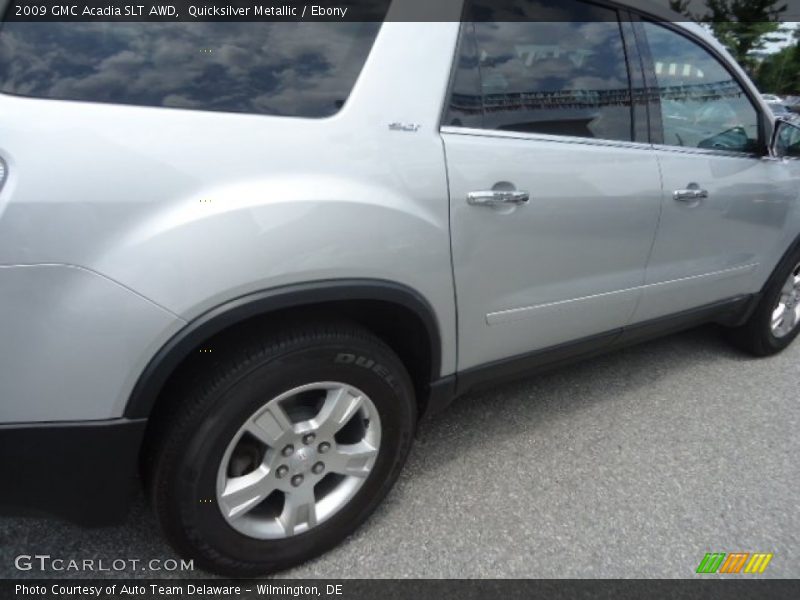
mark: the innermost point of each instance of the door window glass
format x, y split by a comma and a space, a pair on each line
702, 104
564, 76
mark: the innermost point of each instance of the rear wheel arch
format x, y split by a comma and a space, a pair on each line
395, 313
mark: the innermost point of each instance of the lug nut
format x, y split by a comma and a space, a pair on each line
297, 480
318, 468
308, 438
288, 450
282, 471
324, 447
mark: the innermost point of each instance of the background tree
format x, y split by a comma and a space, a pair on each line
743, 26
681, 6
779, 73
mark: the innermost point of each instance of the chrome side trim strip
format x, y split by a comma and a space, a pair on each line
515, 314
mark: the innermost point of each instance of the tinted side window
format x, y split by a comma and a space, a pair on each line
702, 105
564, 76
296, 69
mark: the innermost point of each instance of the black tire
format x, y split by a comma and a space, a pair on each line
191, 437
756, 336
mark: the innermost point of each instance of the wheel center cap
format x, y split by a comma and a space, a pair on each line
304, 458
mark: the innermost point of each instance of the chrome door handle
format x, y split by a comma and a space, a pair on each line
692, 192
498, 198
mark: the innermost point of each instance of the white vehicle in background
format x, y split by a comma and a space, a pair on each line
772, 98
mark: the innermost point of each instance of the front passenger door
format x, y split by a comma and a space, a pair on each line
725, 204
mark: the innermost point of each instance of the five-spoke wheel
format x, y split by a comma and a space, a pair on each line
298, 460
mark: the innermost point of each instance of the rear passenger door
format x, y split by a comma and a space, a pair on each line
554, 188
725, 203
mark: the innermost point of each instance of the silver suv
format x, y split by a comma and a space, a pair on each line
241, 260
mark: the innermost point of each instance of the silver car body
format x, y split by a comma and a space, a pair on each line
120, 225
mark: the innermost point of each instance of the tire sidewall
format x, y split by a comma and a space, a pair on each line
771, 297
375, 372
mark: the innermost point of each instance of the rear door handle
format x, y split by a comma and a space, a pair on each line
691, 193
498, 198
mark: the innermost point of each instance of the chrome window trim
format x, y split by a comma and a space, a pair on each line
563, 139
705, 151
542, 137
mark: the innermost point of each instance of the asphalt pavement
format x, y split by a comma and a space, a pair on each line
634, 464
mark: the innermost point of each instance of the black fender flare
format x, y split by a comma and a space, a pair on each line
177, 349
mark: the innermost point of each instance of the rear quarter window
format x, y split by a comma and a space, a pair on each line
290, 69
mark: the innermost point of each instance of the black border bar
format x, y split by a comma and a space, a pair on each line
321, 10
409, 589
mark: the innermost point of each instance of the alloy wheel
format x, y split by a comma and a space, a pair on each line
298, 460
786, 314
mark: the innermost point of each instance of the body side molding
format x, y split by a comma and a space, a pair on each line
731, 312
